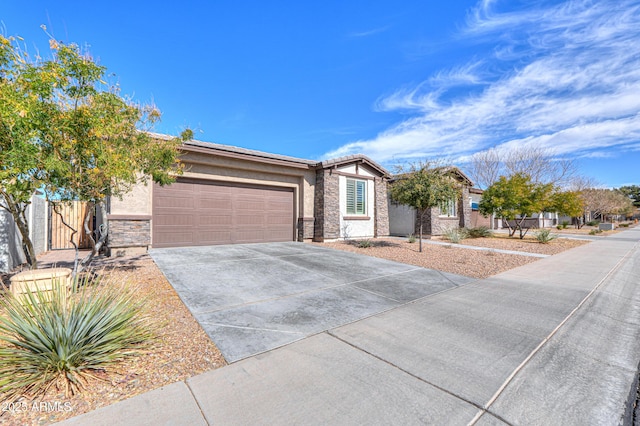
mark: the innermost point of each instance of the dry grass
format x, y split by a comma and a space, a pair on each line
181, 350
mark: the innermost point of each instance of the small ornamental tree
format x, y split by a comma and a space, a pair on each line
568, 203
64, 132
514, 199
423, 187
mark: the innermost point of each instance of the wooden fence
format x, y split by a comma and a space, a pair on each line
73, 214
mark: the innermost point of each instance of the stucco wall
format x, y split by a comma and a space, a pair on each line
11, 254
402, 219
138, 204
352, 226
38, 214
10, 243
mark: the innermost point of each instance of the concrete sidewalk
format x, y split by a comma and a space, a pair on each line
556, 341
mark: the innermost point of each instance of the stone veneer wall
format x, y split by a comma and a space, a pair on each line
464, 208
382, 208
326, 206
129, 232
433, 224
427, 221
305, 228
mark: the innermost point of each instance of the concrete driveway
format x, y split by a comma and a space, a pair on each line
554, 342
256, 297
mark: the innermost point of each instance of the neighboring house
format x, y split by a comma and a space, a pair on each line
11, 253
232, 195
405, 220
476, 218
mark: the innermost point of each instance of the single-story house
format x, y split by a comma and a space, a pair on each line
232, 195
405, 220
477, 219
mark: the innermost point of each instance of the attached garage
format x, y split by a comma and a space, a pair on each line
196, 212
231, 195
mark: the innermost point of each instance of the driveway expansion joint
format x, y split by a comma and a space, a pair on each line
440, 388
195, 399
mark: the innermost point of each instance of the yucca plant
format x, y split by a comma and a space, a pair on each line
61, 338
455, 235
545, 236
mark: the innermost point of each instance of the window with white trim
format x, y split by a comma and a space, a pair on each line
356, 197
449, 208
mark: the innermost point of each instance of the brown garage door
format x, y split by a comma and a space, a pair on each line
189, 213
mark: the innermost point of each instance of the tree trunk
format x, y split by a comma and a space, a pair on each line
422, 213
18, 212
73, 233
519, 226
512, 232
103, 233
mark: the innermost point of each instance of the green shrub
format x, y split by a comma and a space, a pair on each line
411, 238
366, 243
62, 338
595, 231
545, 236
479, 232
593, 223
624, 225
564, 224
455, 235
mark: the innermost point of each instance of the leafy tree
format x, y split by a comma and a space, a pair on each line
515, 198
424, 186
568, 203
633, 192
606, 202
63, 131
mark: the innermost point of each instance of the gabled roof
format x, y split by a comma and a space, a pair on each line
351, 159
266, 157
447, 169
462, 177
238, 152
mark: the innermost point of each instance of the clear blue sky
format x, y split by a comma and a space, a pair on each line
397, 81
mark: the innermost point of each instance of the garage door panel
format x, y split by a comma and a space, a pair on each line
178, 202
223, 219
250, 220
166, 220
204, 213
173, 237
275, 220
215, 237
215, 203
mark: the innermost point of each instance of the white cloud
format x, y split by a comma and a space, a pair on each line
570, 79
370, 32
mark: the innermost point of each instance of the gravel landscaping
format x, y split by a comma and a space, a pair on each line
455, 258
183, 350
